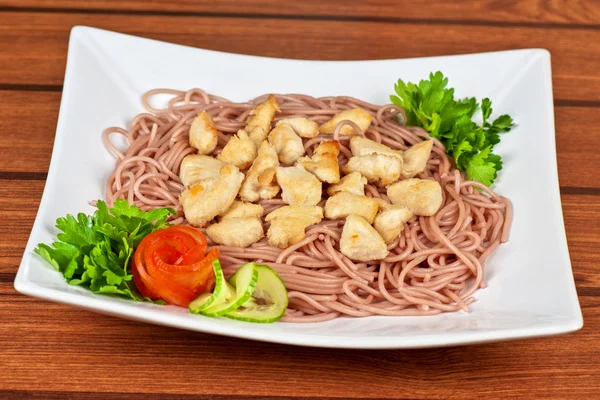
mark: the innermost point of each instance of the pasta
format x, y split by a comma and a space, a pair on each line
434, 266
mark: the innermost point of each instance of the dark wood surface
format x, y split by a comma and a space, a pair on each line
54, 351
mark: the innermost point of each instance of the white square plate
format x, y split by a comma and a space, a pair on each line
530, 291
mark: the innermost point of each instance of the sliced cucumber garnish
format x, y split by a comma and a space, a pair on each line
269, 298
237, 292
206, 300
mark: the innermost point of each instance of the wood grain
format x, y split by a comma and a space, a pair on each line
565, 12
31, 40
105, 354
29, 126
51, 351
29, 121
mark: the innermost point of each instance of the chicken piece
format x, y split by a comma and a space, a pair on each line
239, 150
360, 241
203, 133
390, 221
298, 186
260, 178
239, 209
421, 196
357, 115
416, 157
288, 224
354, 182
383, 205
324, 162
239, 232
307, 213
259, 124
361, 146
195, 168
206, 199
303, 127
288, 145
343, 204
379, 169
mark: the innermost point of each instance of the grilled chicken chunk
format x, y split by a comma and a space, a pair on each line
343, 204
289, 223
361, 146
298, 186
390, 221
360, 241
195, 168
354, 182
303, 127
324, 162
203, 134
259, 123
206, 199
379, 169
288, 145
239, 232
239, 150
240, 209
357, 115
416, 157
422, 196
260, 178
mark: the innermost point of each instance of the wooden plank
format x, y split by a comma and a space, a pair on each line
28, 41
54, 347
29, 121
577, 132
533, 11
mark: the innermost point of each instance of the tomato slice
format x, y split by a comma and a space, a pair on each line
171, 265
167, 254
193, 255
193, 232
190, 276
142, 280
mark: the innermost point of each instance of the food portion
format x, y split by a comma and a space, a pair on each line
207, 198
299, 208
95, 251
254, 293
203, 134
431, 105
172, 265
287, 144
288, 224
298, 186
360, 241
358, 117
324, 162
421, 196
260, 182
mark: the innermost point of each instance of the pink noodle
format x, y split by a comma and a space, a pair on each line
435, 266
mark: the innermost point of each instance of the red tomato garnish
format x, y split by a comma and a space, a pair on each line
171, 265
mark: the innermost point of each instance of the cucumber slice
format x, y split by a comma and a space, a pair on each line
269, 299
236, 292
206, 300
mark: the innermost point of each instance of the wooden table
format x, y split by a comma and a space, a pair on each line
54, 351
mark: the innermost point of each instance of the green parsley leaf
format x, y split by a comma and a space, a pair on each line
95, 251
432, 106
483, 166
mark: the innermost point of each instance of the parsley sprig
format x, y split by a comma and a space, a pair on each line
95, 251
432, 106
